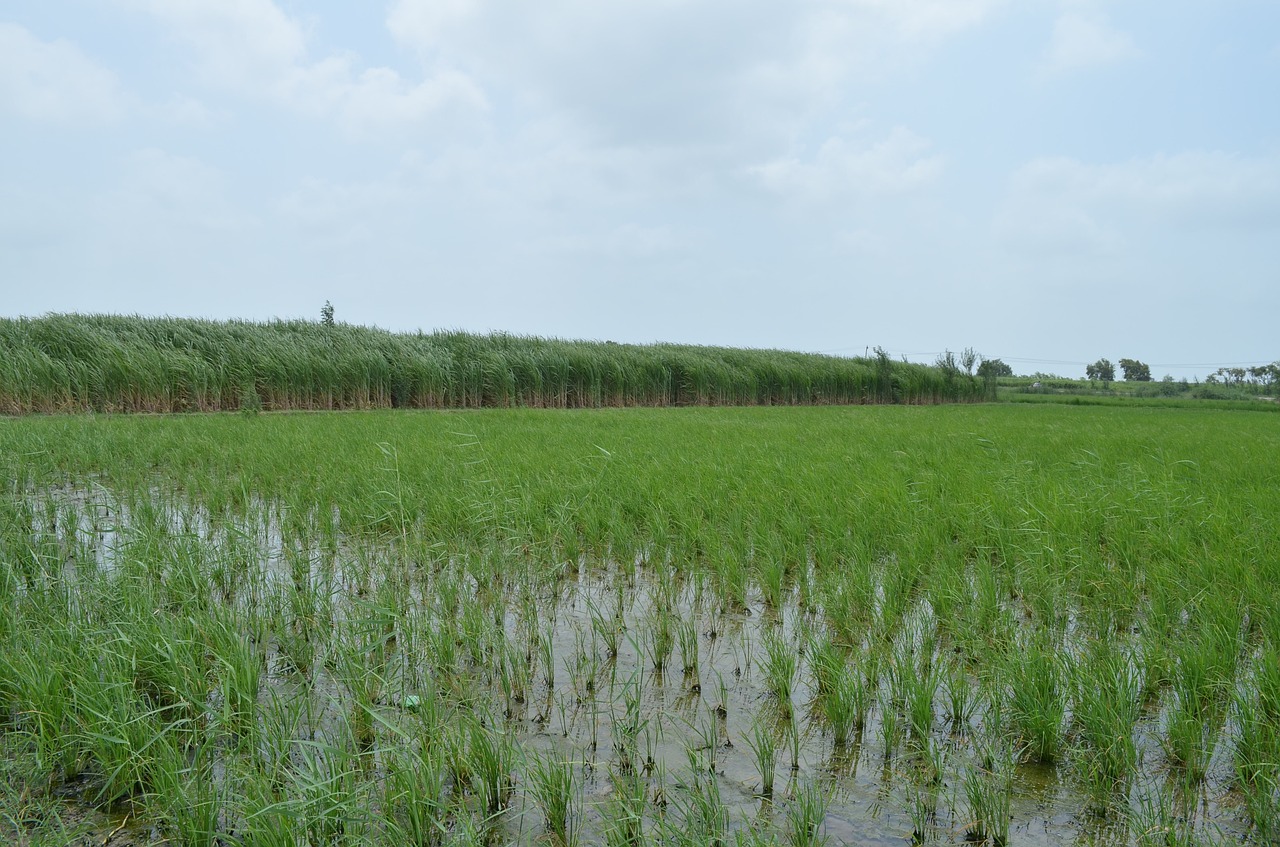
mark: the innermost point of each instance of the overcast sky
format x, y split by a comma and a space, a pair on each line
1047, 181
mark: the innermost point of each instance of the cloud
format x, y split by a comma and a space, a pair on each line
630, 241
1062, 203
254, 48
746, 75
160, 191
185, 111
1081, 41
54, 81
899, 162
345, 214
928, 18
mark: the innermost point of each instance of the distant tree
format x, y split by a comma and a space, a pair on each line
993, 368
950, 367
1135, 371
1266, 375
1101, 370
1231, 376
326, 314
968, 359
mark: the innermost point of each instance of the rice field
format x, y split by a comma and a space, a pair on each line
700, 626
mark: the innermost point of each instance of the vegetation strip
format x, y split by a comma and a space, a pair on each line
677, 626
108, 363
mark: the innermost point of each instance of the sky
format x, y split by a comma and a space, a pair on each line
1043, 181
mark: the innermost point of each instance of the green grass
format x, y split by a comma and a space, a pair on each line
392, 627
61, 363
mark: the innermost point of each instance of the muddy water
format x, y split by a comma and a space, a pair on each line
699, 719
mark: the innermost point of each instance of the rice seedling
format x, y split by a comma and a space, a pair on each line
922, 807
268, 821
624, 809
700, 818
329, 807
413, 800
780, 667
762, 741
189, 795
805, 814
626, 730
553, 786
959, 690
921, 689
490, 761
583, 668
1160, 819
1106, 705
890, 725
1203, 676
609, 630
119, 733
826, 664
659, 637
513, 679
845, 705
239, 680
988, 790
39, 683
772, 575
795, 735
688, 634
1256, 748
546, 653
702, 747
1036, 680
1262, 801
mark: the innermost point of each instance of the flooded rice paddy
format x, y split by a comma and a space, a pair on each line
642, 678
213, 663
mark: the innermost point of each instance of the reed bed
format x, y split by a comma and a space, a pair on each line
974, 623
110, 363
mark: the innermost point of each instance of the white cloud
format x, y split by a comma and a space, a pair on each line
1068, 204
899, 162
54, 81
345, 214
237, 43
1081, 41
630, 240
376, 98
252, 47
929, 18
426, 24
160, 190
186, 111
745, 75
